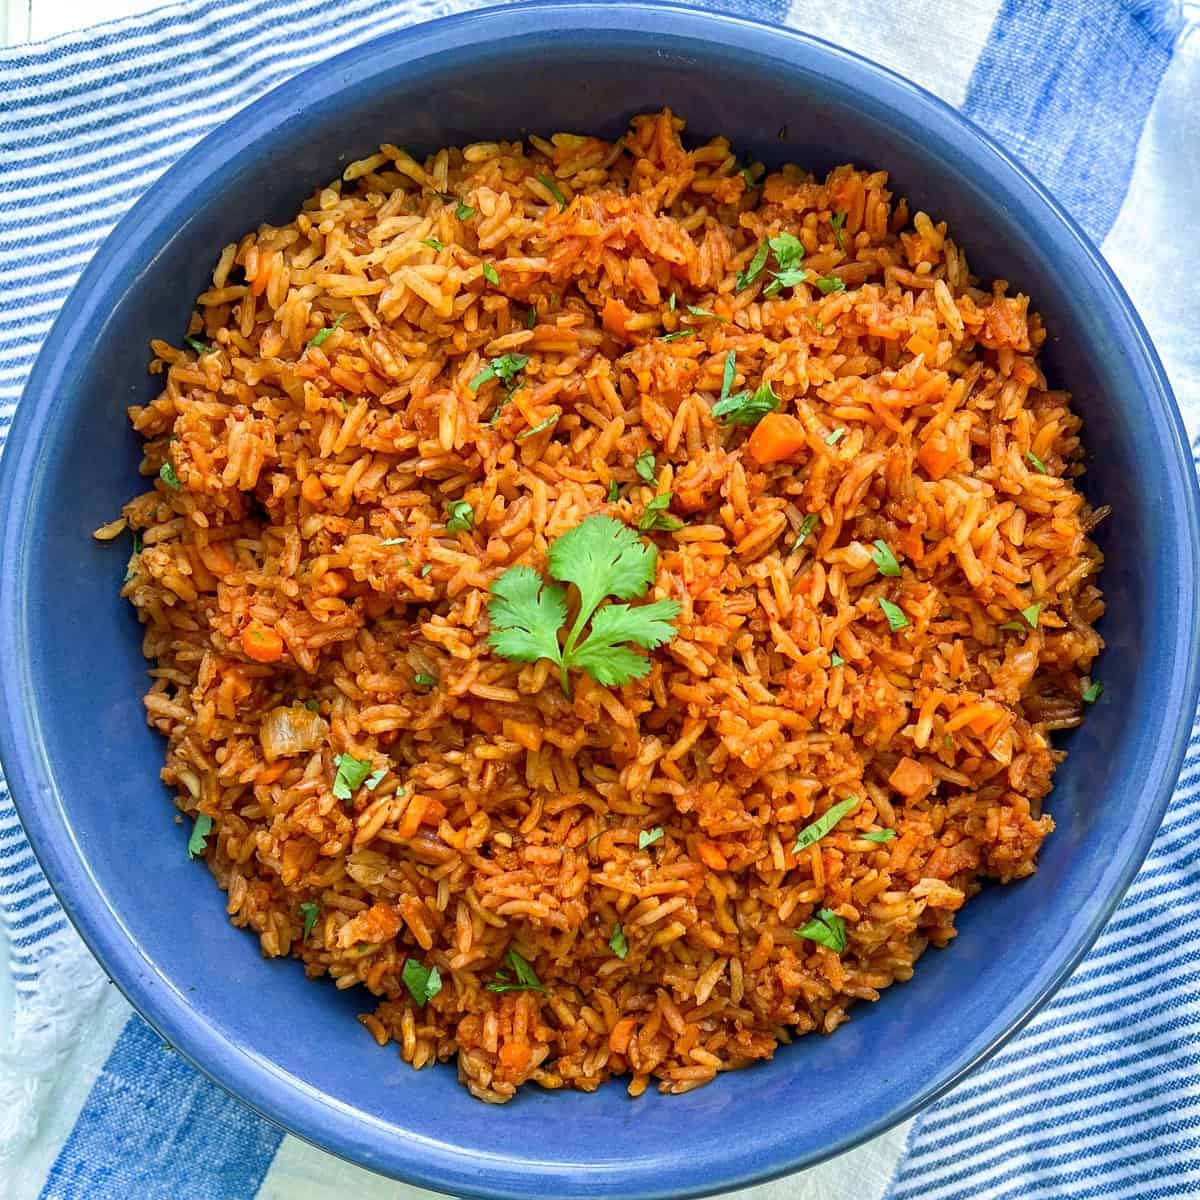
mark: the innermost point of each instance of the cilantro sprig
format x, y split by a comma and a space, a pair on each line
605, 560
826, 823
742, 408
826, 929
352, 773
423, 982
506, 368
551, 185
198, 842
519, 977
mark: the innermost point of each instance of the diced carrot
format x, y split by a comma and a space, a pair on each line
312, 489
710, 855
412, 817
910, 777
262, 643
938, 456
515, 1056
622, 1031
616, 313
776, 437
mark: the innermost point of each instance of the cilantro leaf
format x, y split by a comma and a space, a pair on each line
531, 317
655, 517
491, 274
788, 250
824, 824
423, 679
198, 842
461, 516
423, 983
885, 560
704, 314
464, 212
505, 368
644, 466
729, 373
672, 302
826, 929
784, 279
753, 269
323, 335
540, 427
396, 541
647, 837
1038, 465
375, 778
310, 912
878, 835
618, 943
830, 283
835, 223
806, 527
1093, 691
525, 978
895, 615
678, 335
1031, 614
526, 615
614, 491
836, 660
433, 243
313, 704
351, 774
549, 183
602, 557
836, 436
746, 408
199, 346
167, 474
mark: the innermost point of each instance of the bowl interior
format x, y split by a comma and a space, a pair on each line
88, 785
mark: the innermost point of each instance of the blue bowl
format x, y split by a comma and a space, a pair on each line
84, 767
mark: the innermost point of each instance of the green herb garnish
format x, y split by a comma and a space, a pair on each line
603, 558
198, 842
614, 491
644, 466
1031, 614
836, 222
878, 835
806, 527
312, 704
540, 427
1093, 691
525, 979
461, 516
826, 929
678, 335
548, 182
754, 268
421, 679
1038, 465
895, 615
830, 283
167, 474
464, 212
491, 275
199, 346
397, 541
656, 519
836, 436
351, 773
433, 243
618, 943
424, 571
423, 983
531, 317
705, 314
375, 778
836, 660
310, 912
824, 824
746, 408
647, 837
671, 303
885, 560
323, 335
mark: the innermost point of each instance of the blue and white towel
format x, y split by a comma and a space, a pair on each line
1100, 1096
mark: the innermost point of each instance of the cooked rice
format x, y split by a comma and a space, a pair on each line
509, 815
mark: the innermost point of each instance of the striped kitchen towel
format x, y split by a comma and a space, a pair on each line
1100, 1096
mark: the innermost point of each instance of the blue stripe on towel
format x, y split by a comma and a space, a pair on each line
1067, 88
154, 1129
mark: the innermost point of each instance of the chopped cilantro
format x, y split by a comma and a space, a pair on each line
375, 778
167, 474
423, 983
895, 615
491, 275
885, 560
464, 212
1038, 465
310, 912
1031, 614
671, 303
806, 527
351, 773
540, 427
549, 183
618, 943
396, 541
826, 929
746, 408
647, 837
531, 317
603, 558
656, 519
421, 679
525, 980
836, 222
199, 346
312, 704
644, 466
198, 842
678, 335
614, 491
433, 243
830, 283
878, 835
704, 314
1093, 691
323, 335
460, 516
754, 268
836, 436
506, 368
824, 824
424, 571
836, 660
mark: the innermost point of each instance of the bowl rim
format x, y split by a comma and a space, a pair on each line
280, 1097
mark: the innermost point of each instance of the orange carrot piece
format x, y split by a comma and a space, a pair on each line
910, 777
616, 313
262, 643
776, 438
938, 457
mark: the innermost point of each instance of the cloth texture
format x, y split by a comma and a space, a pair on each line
1100, 1095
